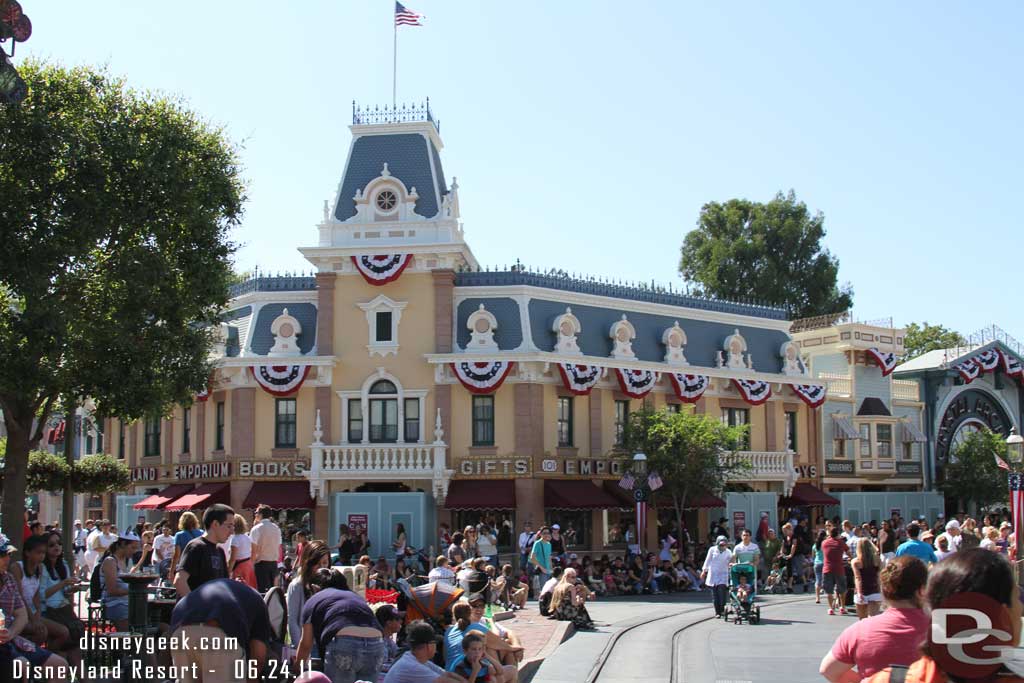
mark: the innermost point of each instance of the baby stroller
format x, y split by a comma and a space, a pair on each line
775, 583
742, 609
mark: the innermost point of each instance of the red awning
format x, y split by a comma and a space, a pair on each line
481, 494
280, 495
576, 494
807, 494
203, 497
625, 498
158, 501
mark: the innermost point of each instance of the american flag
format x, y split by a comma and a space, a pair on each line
406, 17
654, 481
627, 482
1016, 501
641, 523
1001, 464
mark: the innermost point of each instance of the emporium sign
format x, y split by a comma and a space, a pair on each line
583, 467
202, 470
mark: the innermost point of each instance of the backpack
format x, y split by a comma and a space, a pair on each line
95, 587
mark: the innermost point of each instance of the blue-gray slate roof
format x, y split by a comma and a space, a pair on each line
509, 334
408, 158
263, 340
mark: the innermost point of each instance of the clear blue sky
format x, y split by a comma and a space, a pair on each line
586, 136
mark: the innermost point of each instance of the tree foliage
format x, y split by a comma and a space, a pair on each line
972, 476
769, 252
921, 339
690, 452
115, 220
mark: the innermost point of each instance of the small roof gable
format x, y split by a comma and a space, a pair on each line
873, 407
410, 158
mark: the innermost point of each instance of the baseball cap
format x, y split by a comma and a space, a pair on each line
555, 526
574, 556
419, 633
721, 539
388, 612
5, 546
128, 535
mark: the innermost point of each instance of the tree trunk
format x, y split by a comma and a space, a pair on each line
68, 513
19, 432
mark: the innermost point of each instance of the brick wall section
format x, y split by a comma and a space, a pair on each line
108, 436
241, 441
443, 402
771, 433
322, 403
325, 314
529, 421
596, 424
444, 287
167, 450
199, 430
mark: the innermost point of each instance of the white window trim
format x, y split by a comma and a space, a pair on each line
371, 308
363, 396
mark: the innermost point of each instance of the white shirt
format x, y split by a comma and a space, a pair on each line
524, 541
716, 564
80, 536
163, 547
443, 574
486, 545
954, 541
242, 545
549, 586
666, 548
940, 555
266, 541
745, 548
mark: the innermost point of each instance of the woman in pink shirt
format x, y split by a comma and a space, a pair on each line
893, 637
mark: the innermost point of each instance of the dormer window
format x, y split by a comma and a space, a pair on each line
382, 318
386, 201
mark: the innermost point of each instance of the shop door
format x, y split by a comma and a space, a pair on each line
380, 513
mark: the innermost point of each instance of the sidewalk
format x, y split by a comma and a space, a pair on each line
539, 636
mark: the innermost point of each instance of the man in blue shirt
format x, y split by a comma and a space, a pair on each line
540, 556
915, 547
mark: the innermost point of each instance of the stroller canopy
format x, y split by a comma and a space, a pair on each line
738, 570
431, 601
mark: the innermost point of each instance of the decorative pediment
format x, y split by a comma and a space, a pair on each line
286, 330
482, 324
385, 198
735, 348
622, 334
567, 327
674, 339
792, 364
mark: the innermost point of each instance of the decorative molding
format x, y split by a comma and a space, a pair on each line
622, 334
286, 330
792, 364
735, 347
481, 324
382, 303
567, 327
674, 339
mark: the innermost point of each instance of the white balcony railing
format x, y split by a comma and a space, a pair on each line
838, 385
765, 466
379, 462
905, 390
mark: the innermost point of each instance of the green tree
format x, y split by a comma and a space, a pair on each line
115, 220
97, 473
923, 338
972, 476
693, 454
769, 252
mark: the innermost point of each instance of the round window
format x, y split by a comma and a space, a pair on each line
566, 328
482, 325
622, 334
386, 200
286, 330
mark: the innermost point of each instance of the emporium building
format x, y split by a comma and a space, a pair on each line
404, 384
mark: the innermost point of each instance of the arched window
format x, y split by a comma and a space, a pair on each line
383, 411
383, 387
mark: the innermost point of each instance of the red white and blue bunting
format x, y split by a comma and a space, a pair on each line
689, 388
280, 380
886, 361
969, 370
988, 361
203, 395
1012, 366
636, 383
755, 392
482, 377
380, 269
579, 379
811, 394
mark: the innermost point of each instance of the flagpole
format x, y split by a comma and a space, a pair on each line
394, 66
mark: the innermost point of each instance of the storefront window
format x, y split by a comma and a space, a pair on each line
736, 417
502, 522
575, 527
219, 433
565, 431
483, 420
383, 413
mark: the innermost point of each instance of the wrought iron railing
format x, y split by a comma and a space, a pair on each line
264, 282
404, 113
819, 322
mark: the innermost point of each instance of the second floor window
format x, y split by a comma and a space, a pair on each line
383, 325
483, 420
151, 447
218, 438
120, 441
412, 420
884, 434
383, 412
565, 435
621, 420
355, 420
284, 423
865, 440
791, 431
737, 417
186, 430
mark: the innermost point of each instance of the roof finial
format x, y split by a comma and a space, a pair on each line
385, 172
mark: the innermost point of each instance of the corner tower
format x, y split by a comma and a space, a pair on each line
393, 196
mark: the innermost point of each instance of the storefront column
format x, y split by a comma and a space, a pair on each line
239, 489
597, 530
443, 402
322, 403
770, 429
651, 540
596, 424
325, 314
444, 286
320, 522
243, 423
529, 503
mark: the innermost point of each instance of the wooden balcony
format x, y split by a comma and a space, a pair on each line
767, 466
905, 390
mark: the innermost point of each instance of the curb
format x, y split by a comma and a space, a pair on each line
529, 667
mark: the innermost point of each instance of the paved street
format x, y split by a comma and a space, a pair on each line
647, 640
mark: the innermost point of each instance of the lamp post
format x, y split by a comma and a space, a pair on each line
641, 484
1015, 451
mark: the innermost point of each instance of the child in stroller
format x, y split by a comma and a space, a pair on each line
742, 592
776, 581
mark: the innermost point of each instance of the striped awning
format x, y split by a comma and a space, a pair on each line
842, 427
913, 434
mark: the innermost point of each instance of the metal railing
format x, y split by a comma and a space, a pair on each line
404, 113
763, 465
